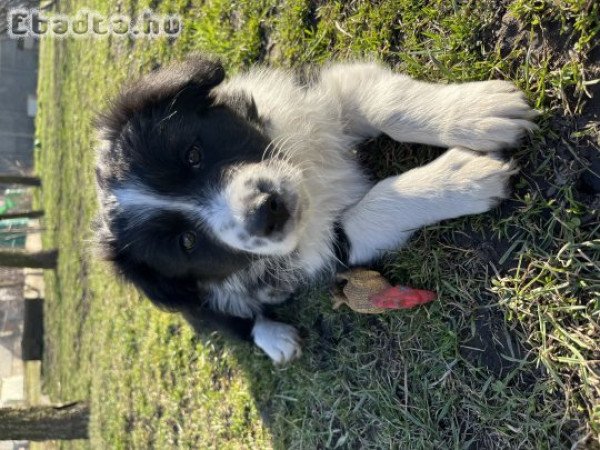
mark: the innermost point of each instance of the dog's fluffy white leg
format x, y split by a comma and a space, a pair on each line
278, 340
458, 183
484, 115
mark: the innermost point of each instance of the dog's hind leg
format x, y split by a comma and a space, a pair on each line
458, 183
483, 116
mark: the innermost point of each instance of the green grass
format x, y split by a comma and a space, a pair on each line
509, 358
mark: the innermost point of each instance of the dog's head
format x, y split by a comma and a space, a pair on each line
190, 190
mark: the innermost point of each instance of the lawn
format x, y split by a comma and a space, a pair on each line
510, 355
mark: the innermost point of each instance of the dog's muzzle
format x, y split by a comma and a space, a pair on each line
260, 209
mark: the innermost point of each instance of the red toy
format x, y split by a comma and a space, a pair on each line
368, 292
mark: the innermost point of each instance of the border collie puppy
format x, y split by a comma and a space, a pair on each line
218, 198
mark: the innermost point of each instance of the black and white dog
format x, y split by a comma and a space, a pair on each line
218, 198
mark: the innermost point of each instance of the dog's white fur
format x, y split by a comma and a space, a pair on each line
315, 130
278, 340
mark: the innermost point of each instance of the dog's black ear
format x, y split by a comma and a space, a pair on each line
170, 293
184, 296
192, 78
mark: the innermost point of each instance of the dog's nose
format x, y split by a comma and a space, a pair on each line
270, 216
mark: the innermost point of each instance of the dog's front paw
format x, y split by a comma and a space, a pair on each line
474, 182
487, 115
278, 340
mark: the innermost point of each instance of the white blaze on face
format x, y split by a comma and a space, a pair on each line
141, 204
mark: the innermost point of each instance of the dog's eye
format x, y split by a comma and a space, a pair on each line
194, 156
188, 240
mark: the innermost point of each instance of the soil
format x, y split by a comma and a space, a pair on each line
576, 162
